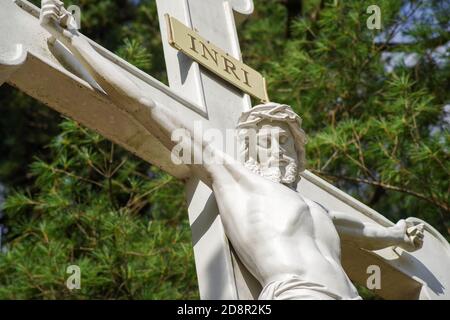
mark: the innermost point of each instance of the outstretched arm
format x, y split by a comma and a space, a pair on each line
120, 88
372, 236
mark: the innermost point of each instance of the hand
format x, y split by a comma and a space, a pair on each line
56, 19
410, 235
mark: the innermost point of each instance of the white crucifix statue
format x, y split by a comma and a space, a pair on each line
262, 227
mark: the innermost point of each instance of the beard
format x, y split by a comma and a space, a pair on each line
290, 173
285, 175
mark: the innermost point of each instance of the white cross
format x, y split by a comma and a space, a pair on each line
53, 76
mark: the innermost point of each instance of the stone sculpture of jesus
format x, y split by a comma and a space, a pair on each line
290, 244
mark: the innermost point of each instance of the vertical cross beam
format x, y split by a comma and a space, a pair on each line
222, 104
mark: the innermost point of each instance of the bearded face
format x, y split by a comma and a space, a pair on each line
271, 152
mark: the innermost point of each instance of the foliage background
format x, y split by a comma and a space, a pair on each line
377, 129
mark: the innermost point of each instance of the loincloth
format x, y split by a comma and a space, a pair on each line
295, 288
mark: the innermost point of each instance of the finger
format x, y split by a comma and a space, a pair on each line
49, 16
411, 230
65, 20
64, 12
60, 6
49, 11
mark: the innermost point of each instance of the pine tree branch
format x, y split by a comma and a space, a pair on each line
56, 170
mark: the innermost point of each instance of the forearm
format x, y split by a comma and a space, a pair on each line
370, 236
121, 88
366, 235
158, 118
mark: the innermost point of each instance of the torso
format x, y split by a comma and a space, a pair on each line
277, 234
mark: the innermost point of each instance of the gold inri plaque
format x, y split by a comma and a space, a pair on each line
216, 60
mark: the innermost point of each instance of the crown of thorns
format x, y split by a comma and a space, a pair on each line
273, 112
